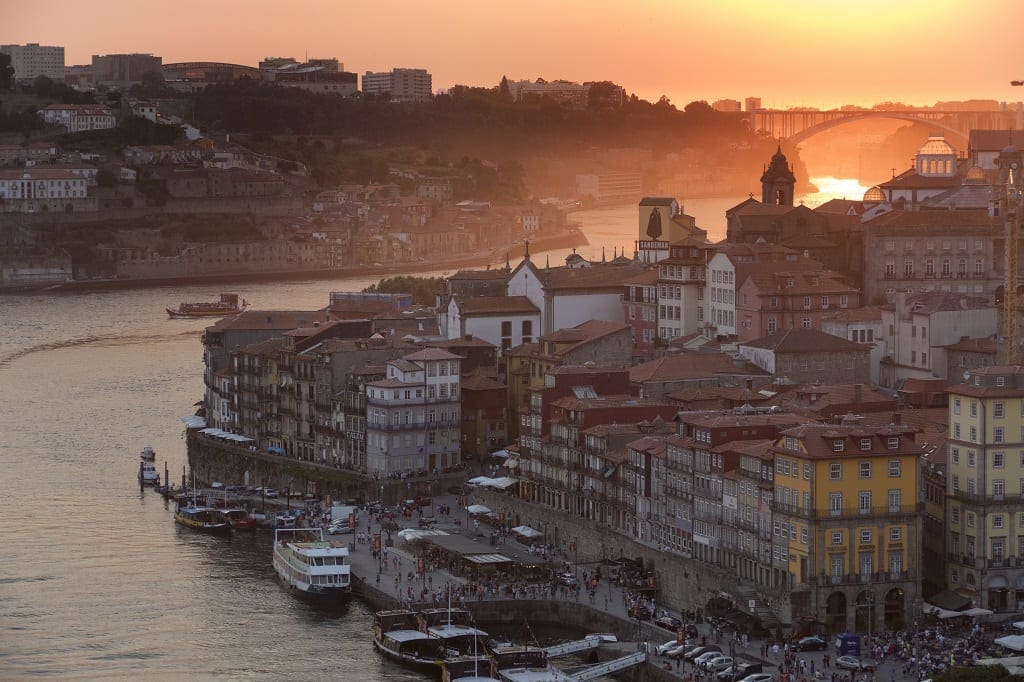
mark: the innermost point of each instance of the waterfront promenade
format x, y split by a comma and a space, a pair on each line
608, 611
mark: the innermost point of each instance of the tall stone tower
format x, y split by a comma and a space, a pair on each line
777, 181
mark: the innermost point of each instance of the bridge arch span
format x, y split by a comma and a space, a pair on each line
952, 134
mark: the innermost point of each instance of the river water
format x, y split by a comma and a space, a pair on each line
96, 581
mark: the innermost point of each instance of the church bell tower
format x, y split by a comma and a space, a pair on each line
778, 181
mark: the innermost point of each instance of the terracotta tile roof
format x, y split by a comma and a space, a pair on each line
598, 276
995, 140
799, 340
269, 319
267, 348
818, 439
971, 217
496, 305
969, 345
461, 342
909, 179
432, 354
481, 382
864, 314
653, 446
928, 302
38, 174
690, 365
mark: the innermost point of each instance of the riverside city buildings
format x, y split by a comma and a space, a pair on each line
985, 486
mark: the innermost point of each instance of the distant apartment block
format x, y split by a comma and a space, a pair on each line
728, 105
610, 186
403, 85
565, 92
123, 70
33, 60
79, 117
751, 104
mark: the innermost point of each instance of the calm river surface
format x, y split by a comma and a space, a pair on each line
96, 581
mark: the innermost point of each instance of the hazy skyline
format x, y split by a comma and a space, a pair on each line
795, 52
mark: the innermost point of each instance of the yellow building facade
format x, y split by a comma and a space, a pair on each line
985, 488
847, 524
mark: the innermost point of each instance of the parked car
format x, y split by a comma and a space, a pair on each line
811, 644
706, 658
690, 630
681, 651
758, 677
269, 493
663, 649
339, 528
719, 664
690, 655
848, 663
668, 623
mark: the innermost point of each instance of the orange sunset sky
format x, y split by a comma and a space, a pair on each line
789, 52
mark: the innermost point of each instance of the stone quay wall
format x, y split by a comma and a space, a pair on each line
215, 460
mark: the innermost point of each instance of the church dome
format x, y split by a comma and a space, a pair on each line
874, 195
975, 176
937, 146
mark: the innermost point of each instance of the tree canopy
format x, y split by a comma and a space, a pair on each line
422, 289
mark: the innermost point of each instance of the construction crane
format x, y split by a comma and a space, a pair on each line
1010, 164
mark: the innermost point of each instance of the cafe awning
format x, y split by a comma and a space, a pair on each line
501, 483
478, 509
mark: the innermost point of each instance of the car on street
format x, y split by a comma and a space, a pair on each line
719, 664
694, 653
757, 677
339, 528
706, 658
739, 671
668, 623
269, 493
681, 650
848, 663
811, 644
668, 646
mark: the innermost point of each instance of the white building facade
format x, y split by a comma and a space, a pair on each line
79, 117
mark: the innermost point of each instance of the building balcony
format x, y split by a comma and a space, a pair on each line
860, 513
988, 500
860, 578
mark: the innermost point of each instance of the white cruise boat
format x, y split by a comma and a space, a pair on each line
148, 474
315, 569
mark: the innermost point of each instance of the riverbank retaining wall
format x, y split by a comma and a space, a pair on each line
214, 460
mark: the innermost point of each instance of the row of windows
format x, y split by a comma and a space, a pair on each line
929, 245
929, 267
998, 486
866, 535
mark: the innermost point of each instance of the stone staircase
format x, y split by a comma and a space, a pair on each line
745, 594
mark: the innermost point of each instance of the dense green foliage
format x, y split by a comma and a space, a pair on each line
421, 288
133, 130
59, 92
254, 107
24, 121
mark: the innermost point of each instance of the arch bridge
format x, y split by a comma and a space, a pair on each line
797, 125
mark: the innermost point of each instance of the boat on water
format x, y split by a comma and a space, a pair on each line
239, 519
200, 517
229, 304
311, 567
148, 454
425, 640
148, 474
